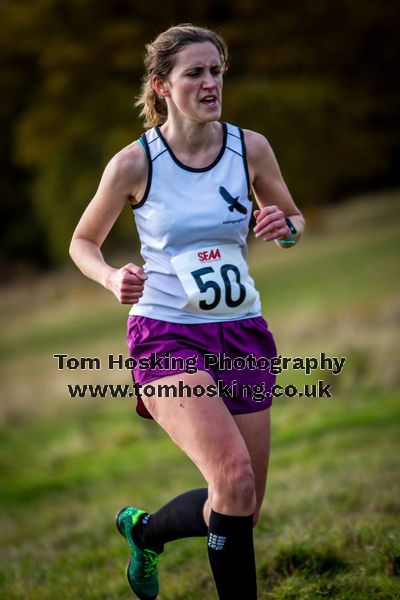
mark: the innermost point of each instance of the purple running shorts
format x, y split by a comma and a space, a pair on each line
235, 353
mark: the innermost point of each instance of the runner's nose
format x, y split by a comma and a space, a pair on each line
208, 80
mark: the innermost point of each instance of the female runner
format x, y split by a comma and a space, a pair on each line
194, 304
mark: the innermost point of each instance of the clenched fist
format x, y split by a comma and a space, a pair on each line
127, 283
271, 224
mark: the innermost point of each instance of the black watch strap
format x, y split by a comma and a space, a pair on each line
292, 228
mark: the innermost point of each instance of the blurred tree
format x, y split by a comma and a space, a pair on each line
318, 79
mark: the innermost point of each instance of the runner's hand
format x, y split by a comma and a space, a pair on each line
270, 224
127, 283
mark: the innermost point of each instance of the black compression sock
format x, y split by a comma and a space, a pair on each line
181, 517
231, 556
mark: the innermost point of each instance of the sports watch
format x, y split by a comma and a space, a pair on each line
293, 231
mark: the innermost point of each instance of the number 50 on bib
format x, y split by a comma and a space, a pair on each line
216, 280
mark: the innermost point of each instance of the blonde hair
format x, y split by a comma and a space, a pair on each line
160, 60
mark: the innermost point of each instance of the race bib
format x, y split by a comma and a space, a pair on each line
216, 280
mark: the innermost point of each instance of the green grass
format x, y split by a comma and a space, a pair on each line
329, 526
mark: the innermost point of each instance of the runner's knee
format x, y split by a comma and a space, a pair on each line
234, 487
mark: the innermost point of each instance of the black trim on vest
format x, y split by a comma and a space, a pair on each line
234, 151
244, 156
192, 169
144, 143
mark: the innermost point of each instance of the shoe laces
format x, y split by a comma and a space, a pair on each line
151, 559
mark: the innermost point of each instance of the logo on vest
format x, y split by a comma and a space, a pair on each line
209, 255
234, 203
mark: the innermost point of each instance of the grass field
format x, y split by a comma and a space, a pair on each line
330, 521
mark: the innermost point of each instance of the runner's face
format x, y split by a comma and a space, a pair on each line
195, 83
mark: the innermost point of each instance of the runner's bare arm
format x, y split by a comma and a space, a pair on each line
271, 193
123, 180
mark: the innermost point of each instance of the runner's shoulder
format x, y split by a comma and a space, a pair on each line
260, 155
256, 144
129, 164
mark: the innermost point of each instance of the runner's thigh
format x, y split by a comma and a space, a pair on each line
202, 427
256, 432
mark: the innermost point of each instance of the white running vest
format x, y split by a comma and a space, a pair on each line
193, 225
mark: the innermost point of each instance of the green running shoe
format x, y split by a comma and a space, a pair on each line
142, 568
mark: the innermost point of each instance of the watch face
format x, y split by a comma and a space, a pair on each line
289, 223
